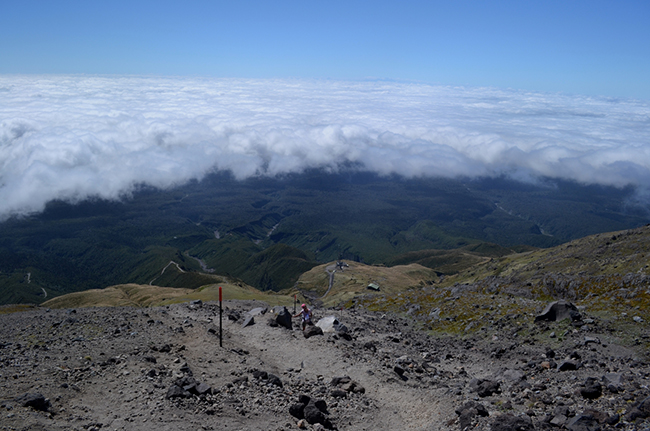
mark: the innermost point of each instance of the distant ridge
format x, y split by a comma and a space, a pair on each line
266, 232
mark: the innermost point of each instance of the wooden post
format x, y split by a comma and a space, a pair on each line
220, 319
295, 298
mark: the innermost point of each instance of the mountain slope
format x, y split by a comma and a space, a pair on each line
267, 231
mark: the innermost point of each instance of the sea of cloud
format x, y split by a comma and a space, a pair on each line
74, 137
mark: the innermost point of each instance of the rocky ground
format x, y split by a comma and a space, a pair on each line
163, 369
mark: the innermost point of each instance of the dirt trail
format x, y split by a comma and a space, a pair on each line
113, 368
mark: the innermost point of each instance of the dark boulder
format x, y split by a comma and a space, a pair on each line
508, 422
284, 318
468, 411
260, 375
313, 411
275, 380
640, 410
591, 389
484, 388
336, 381
202, 389
613, 419
311, 330
473, 405
176, 391
297, 410
354, 386
36, 400
599, 415
313, 414
559, 310
272, 322
568, 365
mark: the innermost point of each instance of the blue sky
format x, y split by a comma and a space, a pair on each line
574, 47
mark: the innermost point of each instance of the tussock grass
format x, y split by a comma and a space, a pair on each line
354, 280
136, 295
15, 308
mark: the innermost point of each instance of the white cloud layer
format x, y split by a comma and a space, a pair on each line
73, 137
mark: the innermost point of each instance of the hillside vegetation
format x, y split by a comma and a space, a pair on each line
266, 232
605, 274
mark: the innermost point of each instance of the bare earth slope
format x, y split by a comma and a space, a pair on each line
117, 369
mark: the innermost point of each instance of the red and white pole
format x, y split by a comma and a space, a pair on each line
220, 318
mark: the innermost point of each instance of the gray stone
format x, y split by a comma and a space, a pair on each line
413, 309
353, 387
248, 321
613, 379
274, 380
641, 410
327, 323
203, 388
257, 311
513, 375
340, 380
559, 310
558, 420
176, 391
260, 375
478, 408
583, 422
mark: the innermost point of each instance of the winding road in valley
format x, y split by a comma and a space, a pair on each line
171, 262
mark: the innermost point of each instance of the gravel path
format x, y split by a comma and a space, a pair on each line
115, 368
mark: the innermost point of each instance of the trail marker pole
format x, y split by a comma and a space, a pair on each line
295, 298
220, 319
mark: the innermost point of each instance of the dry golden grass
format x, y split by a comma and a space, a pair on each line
354, 281
136, 295
15, 308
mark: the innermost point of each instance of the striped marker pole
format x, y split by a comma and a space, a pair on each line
220, 319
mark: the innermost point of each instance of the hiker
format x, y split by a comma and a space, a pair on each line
306, 316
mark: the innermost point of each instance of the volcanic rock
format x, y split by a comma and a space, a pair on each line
35, 400
483, 387
509, 422
311, 330
283, 318
591, 389
583, 422
559, 310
